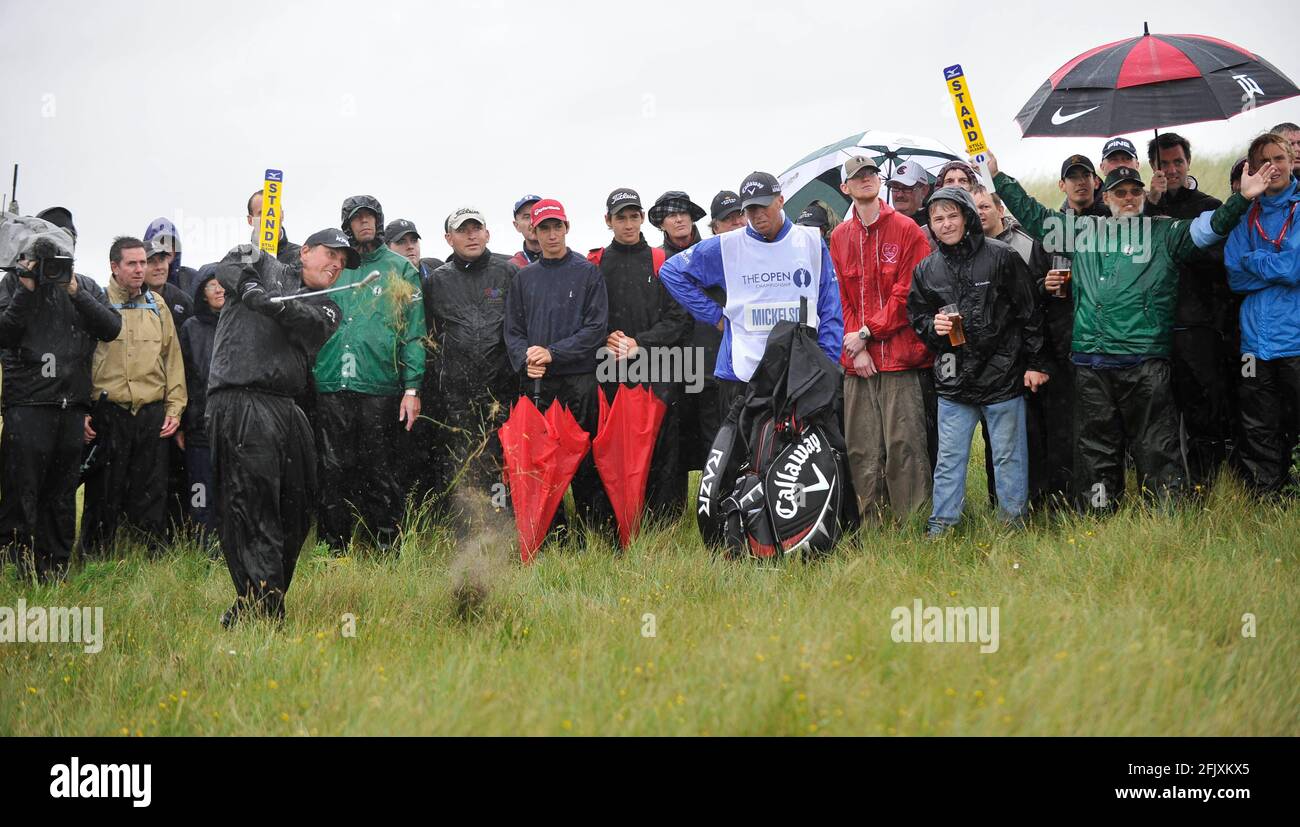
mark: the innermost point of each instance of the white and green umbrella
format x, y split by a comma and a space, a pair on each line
818, 175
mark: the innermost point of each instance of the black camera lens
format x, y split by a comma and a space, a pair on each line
57, 269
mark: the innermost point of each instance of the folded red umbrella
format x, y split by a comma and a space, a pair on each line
622, 449
542, 453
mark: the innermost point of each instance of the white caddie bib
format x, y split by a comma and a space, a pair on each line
764, 283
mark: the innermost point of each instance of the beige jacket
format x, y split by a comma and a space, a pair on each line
144, 363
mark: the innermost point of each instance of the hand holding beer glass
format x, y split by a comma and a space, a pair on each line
948, 321
1055, 281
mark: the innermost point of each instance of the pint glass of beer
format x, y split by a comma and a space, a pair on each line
1065, 280
957, 336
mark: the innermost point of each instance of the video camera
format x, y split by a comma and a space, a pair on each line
36, 249
49, 265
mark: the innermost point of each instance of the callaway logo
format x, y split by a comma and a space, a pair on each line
751, 188
890, 252
1060, 120
329, 311
791, 494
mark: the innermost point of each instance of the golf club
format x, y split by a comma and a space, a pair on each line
374, 275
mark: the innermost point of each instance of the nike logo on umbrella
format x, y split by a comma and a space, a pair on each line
1059, 120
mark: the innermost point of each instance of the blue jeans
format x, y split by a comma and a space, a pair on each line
957, 424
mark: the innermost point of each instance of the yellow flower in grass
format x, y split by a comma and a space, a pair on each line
950, 692
566, 724
272, 684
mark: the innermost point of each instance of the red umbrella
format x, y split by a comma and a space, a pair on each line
624, 444
541, 455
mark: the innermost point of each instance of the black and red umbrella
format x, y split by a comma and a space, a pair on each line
1151, 82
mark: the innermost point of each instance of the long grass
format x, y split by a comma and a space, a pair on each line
1126, 626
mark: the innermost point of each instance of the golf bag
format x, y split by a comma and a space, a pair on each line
772, 483
787, 497
718, 478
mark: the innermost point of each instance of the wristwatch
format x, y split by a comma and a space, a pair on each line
865, 333
411, 392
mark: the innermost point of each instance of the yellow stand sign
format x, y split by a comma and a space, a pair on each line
272, 207
965, 109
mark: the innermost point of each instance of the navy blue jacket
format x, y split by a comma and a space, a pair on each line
561, 305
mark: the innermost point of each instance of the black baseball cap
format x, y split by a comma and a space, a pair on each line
622, 198
335, 238
1118, 145
1076, 161
759, 189
1120, 175
400, 227
724, 204
814, 216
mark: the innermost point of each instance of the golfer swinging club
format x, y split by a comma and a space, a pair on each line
263, 455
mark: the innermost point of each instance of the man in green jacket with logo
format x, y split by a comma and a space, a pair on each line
368, 379
1124, 274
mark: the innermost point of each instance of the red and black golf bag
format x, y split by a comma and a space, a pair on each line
772, 484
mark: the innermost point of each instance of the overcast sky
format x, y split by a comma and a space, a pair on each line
128, 111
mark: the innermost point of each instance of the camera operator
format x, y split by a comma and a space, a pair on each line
50, 324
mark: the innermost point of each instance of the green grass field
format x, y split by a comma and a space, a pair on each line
1131, 626
1128, 626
